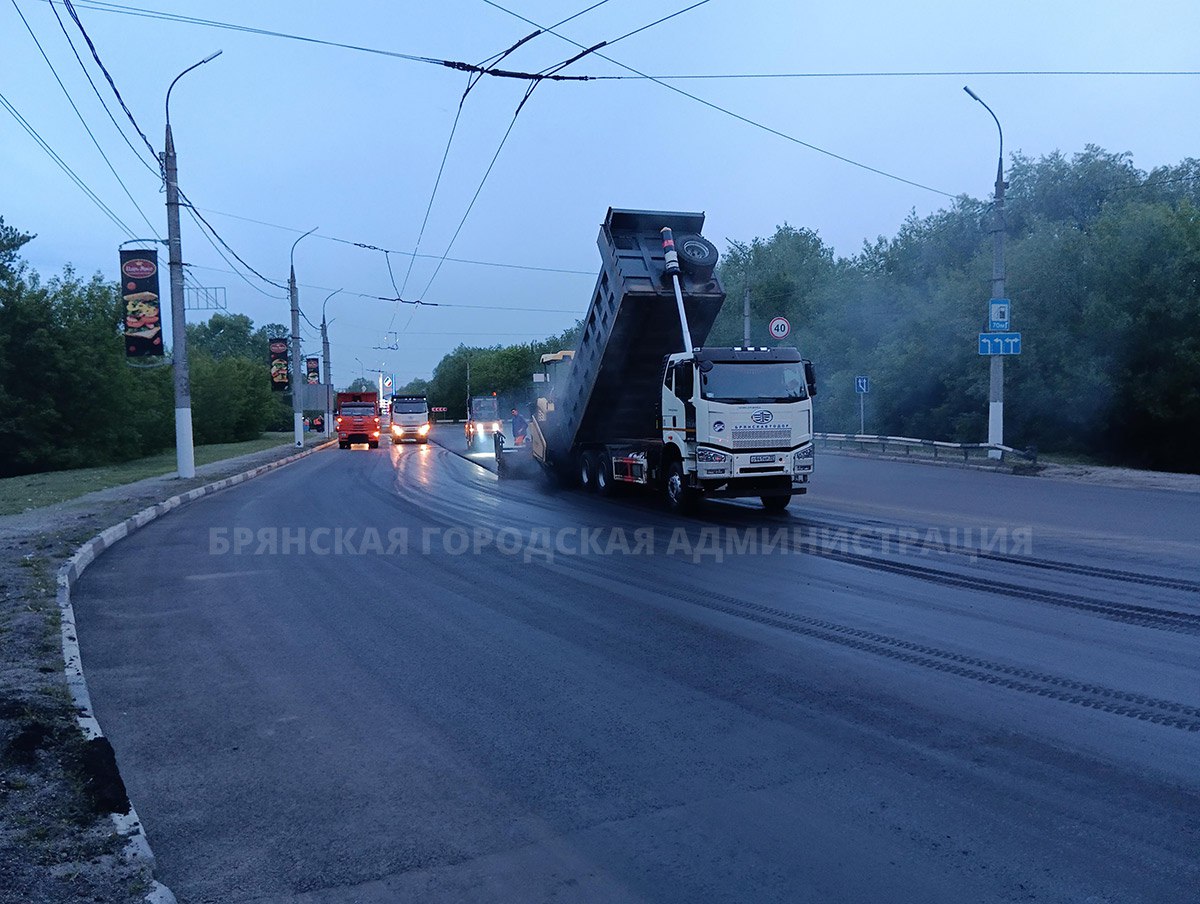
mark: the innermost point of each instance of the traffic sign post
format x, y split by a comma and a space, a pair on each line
862, 385
779, 328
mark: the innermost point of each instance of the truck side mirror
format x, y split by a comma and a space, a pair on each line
810, 377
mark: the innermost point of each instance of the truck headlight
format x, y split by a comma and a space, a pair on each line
712, 461
423, 429
496, 427
803, 459
397, 430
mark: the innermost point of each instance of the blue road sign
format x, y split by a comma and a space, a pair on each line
999, 343
999, 314
862, 384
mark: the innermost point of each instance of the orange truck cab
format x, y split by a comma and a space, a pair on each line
357, 419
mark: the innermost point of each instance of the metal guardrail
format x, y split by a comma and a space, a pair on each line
908, 443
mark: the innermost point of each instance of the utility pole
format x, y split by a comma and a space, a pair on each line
185, 455
746, 316
996, 372
297, 387
328, 369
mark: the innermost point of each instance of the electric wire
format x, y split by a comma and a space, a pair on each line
472, 81
108, 76
95, 90
738, 116
247, 29
62, 164
112, 169
192, 208
520, 106
98, 6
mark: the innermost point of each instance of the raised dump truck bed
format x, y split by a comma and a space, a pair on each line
613, 388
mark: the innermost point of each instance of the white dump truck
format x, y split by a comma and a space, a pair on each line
643, 401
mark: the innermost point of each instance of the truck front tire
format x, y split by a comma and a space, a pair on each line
681, 498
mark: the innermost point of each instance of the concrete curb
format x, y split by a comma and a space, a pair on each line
128, 825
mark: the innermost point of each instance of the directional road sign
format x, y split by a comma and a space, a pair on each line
862, 384
999, 343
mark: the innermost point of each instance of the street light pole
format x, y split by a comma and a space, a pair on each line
185, 455
328, 371
996, 374
361, 369
294, 295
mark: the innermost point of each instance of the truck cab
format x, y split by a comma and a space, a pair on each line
410, 418
357, 419
483, 422
738, 421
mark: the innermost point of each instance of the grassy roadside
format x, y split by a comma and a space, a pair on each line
18, 494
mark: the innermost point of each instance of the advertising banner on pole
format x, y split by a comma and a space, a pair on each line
279, 364
143, 314
312, 370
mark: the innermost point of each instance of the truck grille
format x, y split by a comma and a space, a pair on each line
776, 436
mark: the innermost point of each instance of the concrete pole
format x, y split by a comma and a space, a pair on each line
328, 379
297, 388
185, 457
996, 372
746, 317
996, 382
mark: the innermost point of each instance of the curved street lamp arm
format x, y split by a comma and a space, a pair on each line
207, 59
999, 128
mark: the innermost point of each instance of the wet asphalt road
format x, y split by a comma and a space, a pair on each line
923, 684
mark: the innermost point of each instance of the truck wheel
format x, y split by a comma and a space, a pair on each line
343, 445
373, 444
605, 485
587, 471
697, 255
680, 497
776, 504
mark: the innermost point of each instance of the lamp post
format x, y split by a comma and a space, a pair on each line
328, 372
297, 389
996, 375
185, 456
361, 369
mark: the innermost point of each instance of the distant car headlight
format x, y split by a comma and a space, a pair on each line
803, 459
496, 426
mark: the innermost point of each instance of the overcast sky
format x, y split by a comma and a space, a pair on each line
299, 135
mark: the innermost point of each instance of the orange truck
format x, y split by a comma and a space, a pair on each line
357, 419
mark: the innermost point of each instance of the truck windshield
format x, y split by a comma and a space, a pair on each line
485, 409
357, 411
408, 407
754, 383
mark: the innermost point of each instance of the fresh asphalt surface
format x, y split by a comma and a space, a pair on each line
888, 713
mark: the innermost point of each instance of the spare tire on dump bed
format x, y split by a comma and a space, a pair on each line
697, 255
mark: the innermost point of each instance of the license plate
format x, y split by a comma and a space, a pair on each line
761, 459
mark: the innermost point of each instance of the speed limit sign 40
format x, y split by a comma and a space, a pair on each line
779, 328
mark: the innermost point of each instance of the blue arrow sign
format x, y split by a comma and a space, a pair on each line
862, 384
999, 343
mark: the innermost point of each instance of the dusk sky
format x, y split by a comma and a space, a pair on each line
297, 134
